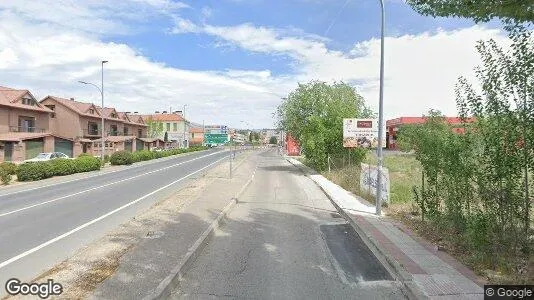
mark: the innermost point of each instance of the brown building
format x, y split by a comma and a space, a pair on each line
82, 122
196, 136
25, 127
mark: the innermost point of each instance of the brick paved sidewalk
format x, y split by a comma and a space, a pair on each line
425, 271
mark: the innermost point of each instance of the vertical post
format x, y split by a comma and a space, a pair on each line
380, 116
203, 134
328, 159
230, 165
103, 129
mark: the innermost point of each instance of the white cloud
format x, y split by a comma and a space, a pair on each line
49, 54
420, 70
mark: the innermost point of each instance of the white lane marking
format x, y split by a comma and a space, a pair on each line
81, 178
39, 247
101, 186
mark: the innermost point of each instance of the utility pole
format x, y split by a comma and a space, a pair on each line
380, 116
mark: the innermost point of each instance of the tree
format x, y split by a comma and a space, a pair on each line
514, 11
313, 114
155, 128
273, 140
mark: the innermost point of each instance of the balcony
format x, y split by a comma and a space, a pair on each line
92, 132
26, 129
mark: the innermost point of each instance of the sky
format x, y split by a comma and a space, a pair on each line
231, 61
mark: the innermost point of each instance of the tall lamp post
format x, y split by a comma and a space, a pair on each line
101, 89
380, 115
185, 125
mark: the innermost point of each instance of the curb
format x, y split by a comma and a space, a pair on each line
164, 289
392, 266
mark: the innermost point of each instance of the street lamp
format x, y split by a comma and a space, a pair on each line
101, 90
380, 115
185, 124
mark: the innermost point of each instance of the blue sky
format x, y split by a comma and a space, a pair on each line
232, 60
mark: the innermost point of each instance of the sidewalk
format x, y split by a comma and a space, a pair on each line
426, 272
156, 261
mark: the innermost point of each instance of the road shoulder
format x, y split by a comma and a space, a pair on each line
426, 272
130, 261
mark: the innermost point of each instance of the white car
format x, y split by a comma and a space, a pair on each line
48, 156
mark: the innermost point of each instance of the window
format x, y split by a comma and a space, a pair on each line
175, 126
168, 126
113, 130
28, 101
26, 124
160, 126
139, 132
125, 131
91, 111
92, 128
52, 108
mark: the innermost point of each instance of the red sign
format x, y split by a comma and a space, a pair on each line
364, 124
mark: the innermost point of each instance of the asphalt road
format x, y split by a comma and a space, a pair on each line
285, 240
43, 225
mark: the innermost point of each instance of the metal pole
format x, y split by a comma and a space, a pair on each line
380, 115
185, 124
103, 130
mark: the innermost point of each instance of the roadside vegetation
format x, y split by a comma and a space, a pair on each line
470, 193
33, 171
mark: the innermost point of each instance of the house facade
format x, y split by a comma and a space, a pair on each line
170, 125
25, 127
196, 136
82, 122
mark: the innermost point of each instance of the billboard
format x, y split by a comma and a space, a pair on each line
361, 133
368, 181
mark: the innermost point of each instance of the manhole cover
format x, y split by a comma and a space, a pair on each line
154, 234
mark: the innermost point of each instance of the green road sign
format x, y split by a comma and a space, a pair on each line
215, 138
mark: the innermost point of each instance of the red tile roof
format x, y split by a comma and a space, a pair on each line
21, 136
163, 117
12, 98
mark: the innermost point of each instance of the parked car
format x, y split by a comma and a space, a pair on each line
48, 156
157, 149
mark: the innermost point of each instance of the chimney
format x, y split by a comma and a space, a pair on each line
178, 112
164, 112
72, 99
157, 111
126, 112
135, 112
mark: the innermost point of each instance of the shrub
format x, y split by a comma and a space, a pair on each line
106, 158
63, 166
5, 177
121, 158
86, 164
34, 171
9, 168
143, 155
83, 155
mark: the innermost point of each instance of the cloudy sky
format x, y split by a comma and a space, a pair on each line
232, 60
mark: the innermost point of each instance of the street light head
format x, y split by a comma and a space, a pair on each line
82, 82
104, 61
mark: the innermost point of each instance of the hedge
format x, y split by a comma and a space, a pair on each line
32, 171
121, 158
9, 168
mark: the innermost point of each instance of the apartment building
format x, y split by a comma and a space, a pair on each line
81, 122
25, 127
171, 127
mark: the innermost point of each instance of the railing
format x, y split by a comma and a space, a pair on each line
26, 129
91, 132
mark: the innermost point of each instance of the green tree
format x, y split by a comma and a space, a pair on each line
273, 140
155, 128
313, 114
514, 11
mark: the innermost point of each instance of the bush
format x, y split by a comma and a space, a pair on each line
63, 166
83, 155
143, 155
5, 177
9, 168
86, 164
34, 171
106, 158
121, 158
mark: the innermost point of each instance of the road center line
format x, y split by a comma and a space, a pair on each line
102, 186
39, 247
